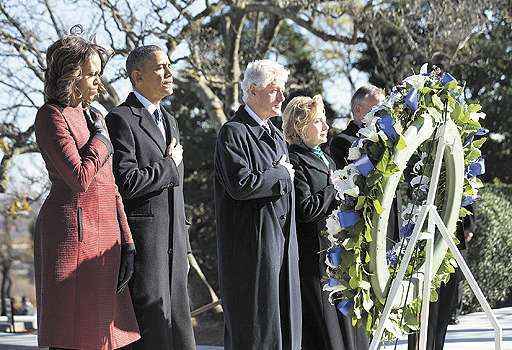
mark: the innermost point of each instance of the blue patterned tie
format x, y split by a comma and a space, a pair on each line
157, 116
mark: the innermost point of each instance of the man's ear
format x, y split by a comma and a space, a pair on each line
136, 76
357, 111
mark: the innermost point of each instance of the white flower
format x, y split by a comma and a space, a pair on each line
344, 181
417, 81
369, 132
382, 135
333, 226
390, 101
340, 124
424, 68
354, 153
369, 118
476, 116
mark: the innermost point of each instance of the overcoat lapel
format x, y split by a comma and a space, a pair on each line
257, 130
77, 125
170, 126
146, 121
312, 160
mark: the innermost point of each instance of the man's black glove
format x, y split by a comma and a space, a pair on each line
126, 266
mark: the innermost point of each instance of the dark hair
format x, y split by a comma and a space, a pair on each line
138, 57
64, 59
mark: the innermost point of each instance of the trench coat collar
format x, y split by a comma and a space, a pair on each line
146, 121
256, 129
306, 154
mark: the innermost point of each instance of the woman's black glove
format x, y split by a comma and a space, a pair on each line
126, 266
95, 122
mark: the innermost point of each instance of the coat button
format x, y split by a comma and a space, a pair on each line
282, 217
169, 251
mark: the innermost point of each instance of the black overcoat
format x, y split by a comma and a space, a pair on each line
152, 190
257, 242
323, 327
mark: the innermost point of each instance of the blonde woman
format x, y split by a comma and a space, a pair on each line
305, 129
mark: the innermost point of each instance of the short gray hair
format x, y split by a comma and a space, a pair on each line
138, 57
362, 93
262, 73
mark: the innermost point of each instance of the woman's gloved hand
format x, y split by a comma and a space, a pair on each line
126, 266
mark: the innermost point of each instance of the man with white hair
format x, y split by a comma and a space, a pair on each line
254, 204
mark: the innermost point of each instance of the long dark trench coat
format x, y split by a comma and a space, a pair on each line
257, 242
323, 327
152, 190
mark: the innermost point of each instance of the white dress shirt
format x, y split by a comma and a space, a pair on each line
261, 122
151, 108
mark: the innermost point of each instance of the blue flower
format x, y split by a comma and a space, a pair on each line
334, 256
468, 141
348, 218
333, 282
446, 78
468, 200
392, 258
476, 169
406, 230
385, 123
411, 100
364, 165
482, 132
345, 306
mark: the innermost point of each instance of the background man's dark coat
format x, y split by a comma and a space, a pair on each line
257, 242
323, 327
152, 190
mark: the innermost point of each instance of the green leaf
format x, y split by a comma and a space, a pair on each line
463, 212
437, 102
367, 258
368, 237
383, 163
433, 295
391, 169
377, 206
473, 155
479, 143
401, 144
458, 114
369, 323
434, 113
360, 202
474, 107
364, 285
354, 282
367, 301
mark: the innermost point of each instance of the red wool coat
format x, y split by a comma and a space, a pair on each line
79, 230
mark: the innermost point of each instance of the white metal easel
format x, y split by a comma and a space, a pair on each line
429, 212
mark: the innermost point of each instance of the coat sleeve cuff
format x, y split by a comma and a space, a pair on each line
105, 141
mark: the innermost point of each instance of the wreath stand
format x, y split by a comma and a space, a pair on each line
429, 212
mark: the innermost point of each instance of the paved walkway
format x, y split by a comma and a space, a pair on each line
473, 332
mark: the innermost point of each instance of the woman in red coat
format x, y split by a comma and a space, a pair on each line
83, 245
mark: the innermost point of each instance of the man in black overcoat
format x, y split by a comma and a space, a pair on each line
148, 167
254, 202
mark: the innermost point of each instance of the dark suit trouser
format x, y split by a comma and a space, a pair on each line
440, 313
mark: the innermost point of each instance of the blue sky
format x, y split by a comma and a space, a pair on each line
337, 89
